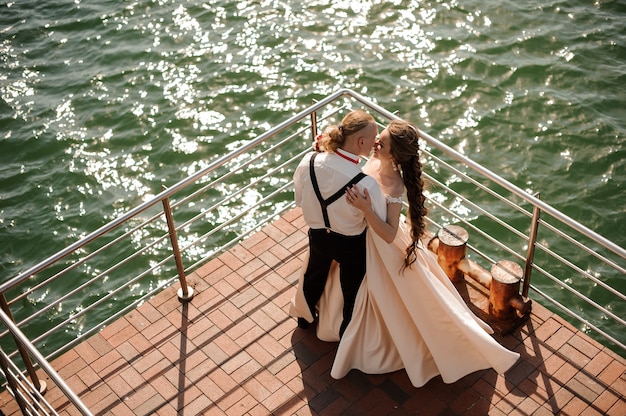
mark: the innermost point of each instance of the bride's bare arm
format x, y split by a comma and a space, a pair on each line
385, 229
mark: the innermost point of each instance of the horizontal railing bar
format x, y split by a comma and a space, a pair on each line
432, 222
116, 266
106, 297
578, 294
581, 271
23, 392
480, 232
582, 247
34, 352
168, 192
234, 170
497, 179
334, 111
468, 245
480, 185
238, 192
234, 241
575, 316
233, 219
29, 394
492, 261
83, 260
112, 318
480, 209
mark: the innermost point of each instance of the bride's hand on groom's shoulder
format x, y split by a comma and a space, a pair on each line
354, 198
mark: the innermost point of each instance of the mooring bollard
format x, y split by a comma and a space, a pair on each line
451, 250
504, 297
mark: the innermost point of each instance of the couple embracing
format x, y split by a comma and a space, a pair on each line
368, 280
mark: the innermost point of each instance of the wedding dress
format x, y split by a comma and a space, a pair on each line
414, 320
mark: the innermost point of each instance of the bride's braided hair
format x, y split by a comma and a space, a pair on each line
405, 151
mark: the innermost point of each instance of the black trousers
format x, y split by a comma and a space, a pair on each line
349, 252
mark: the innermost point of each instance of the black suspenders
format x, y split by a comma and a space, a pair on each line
326, 202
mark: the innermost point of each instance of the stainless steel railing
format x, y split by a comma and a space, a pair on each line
29, 393
74, 293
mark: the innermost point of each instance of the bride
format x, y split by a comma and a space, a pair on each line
407, 313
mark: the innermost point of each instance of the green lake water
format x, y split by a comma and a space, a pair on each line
104, 102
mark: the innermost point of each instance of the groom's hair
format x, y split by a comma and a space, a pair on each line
334, 136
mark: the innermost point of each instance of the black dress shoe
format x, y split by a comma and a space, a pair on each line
303, 323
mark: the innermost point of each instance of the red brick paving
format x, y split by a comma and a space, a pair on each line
233, 350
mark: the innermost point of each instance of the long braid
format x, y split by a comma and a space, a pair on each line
412, 176
405, 151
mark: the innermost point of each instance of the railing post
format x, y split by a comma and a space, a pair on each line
40, 385
314, 124
21, 339
185, 293
530, 253
11, 382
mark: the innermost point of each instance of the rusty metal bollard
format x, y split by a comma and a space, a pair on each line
451, 250
504, 297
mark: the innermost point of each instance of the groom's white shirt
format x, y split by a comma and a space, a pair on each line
333, 172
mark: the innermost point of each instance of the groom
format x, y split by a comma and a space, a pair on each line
336, 229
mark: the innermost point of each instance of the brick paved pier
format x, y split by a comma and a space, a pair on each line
233, 350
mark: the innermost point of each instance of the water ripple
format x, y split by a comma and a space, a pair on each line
102, 103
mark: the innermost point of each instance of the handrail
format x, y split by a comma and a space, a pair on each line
282, 126
167, 193
45, 365
278, 190
500, 181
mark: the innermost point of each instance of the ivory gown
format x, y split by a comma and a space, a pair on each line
416, 320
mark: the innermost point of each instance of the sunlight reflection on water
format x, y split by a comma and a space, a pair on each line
104, 104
